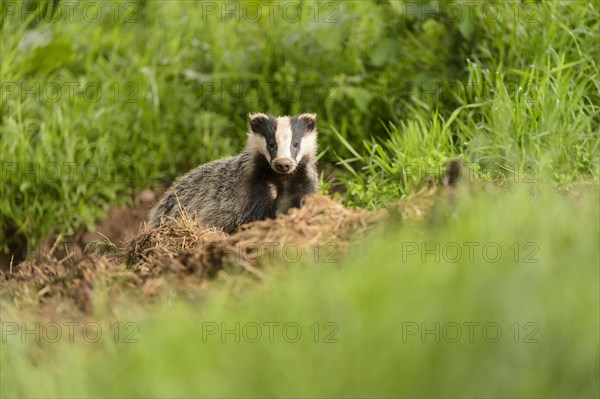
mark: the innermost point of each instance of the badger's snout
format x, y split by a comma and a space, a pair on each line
284, 165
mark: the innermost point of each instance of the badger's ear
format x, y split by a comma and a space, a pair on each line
257, 122
310, 121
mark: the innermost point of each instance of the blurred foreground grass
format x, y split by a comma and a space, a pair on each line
410, 312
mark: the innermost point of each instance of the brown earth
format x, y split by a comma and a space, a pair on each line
125, 257
122, 223
181, 254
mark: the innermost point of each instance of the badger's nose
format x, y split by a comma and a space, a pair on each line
284, 165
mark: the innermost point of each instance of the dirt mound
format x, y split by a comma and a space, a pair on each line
185, 248
189, 254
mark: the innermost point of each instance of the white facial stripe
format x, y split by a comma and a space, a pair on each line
283, 137
258, 145
308, 146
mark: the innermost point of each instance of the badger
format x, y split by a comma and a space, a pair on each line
275, 172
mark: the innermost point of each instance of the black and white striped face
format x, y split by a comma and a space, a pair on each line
284, 141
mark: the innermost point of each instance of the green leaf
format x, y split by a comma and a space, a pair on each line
361, 97
386, 51
48, 58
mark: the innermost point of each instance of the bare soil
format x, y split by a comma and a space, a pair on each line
183, 254
124, 257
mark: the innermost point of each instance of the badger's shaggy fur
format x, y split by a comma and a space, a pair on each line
275, 172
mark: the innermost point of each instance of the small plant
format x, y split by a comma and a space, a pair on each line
105, 246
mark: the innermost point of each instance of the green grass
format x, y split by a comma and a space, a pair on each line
543, 299
530, 115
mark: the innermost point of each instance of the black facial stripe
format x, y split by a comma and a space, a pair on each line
298, 130
266, 127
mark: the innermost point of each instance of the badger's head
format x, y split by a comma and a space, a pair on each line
284, 141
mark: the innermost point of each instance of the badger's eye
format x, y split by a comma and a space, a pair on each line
296, 145
271, 145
